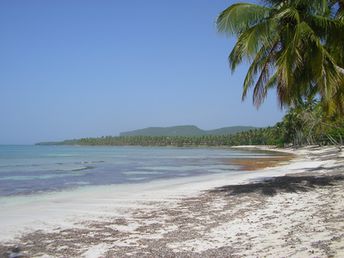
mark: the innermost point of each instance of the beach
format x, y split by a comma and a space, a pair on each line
263, 213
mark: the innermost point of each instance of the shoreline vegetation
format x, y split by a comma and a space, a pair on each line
262, 136
301, 126
257, 136
294, 208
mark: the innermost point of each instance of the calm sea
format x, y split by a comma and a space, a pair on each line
33, 169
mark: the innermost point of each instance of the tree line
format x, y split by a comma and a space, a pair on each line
303, 125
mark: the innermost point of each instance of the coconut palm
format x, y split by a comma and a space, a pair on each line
291, 45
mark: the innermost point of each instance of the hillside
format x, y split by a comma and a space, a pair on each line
185, 130
230, 130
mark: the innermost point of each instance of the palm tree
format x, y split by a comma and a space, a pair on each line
295, 46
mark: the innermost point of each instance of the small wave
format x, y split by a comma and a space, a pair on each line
137, 178
129, 173
41, 177
90, 162
62, 155
18, 165
83, 168
78, 183
171, 168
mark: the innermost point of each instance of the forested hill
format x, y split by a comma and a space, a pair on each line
306, 125
185, 130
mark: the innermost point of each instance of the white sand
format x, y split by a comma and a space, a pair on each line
66, 209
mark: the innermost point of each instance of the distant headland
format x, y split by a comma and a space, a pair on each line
185, 130
183, 135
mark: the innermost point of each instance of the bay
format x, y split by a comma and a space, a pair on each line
37, 169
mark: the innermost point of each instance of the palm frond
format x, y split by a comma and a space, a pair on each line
261, 64
241, 16
250, 41
302, 41
290, 14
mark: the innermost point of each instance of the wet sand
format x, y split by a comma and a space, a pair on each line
298, 215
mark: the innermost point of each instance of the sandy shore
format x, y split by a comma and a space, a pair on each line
260, 213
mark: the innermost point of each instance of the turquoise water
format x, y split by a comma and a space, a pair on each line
33, 169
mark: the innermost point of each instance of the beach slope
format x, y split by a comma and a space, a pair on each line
293, 209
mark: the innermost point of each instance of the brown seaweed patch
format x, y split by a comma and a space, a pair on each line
251, 164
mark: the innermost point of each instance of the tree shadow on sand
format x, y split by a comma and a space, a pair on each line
272, 186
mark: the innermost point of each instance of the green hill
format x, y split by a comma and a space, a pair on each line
185, 130
230, 130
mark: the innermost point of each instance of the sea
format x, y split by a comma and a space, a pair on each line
34, 169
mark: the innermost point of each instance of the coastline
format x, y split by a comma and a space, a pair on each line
163, 217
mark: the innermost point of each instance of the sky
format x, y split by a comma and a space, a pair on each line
82, 68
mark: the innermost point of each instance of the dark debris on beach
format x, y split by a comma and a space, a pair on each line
189, 219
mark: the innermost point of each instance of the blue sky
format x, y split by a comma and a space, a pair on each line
78, 68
